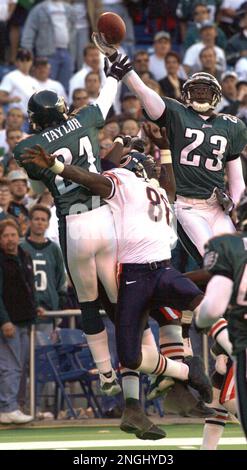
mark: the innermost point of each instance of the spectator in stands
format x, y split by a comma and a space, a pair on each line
186, 8
227, 14
91, 63
49, 31
92, 85
238, 107
105, 146
131, 106
16, 316
236, 48
111, 128
208, 34
48, 266
141, 62
17, 86
17, 208
15, 25
7, 8
208, 60
87, 14
41, 72
162, 45
15, 119
13, 137
201, 15
80, 98
5, 198
2, 132
130, 127
171, 85
229, 91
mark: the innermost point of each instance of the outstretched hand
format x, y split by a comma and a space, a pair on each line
38, 155
156, 135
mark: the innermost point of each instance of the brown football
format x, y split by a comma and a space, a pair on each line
112, 27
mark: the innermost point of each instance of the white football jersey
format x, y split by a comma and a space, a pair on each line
142, 216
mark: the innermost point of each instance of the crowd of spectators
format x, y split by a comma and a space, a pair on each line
46, 44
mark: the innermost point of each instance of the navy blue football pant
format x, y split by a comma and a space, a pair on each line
143, 287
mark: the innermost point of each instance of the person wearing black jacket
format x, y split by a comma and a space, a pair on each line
18, 310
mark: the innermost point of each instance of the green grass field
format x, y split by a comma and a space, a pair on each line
179, 436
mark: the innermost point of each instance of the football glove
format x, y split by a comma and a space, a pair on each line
119, 68
224, 200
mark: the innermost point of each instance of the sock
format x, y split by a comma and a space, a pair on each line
186, 320
98, 345
171, 342
219, 333
213, 429
231, 406
130, 383
148, 338
155, 363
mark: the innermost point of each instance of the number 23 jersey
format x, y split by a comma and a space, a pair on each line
74, 141
142, 218
201, 147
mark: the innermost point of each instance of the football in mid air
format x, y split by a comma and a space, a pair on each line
112, 27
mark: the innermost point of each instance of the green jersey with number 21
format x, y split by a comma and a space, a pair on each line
201, 147
74, 142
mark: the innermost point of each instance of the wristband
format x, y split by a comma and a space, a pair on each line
119, 140
58, 167
165, 156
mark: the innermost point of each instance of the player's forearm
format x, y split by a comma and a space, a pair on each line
107, 95
97, 184
235, 179
115, 154
212, 306
167, 181
151, 101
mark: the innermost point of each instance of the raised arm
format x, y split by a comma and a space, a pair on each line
115, 72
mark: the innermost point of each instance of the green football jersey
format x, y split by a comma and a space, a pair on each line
74, 142
49, 272
226, 255
201, 148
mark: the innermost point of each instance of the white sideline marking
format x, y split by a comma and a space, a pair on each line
118, 443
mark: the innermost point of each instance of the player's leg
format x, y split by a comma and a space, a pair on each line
222, 223
175, 290
78, 246
241, 386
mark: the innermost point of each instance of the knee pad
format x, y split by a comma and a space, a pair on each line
92, 322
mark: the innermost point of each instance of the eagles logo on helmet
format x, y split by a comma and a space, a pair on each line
202, 92
45, 109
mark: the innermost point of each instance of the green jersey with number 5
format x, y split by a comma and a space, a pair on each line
201, 147
226, 255
74, 142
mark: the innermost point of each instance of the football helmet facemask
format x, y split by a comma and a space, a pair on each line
241, 210
134, 162
46, 109
202, 92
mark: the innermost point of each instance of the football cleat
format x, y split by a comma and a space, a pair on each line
134, 421
109, 385
198, 379
160, 385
